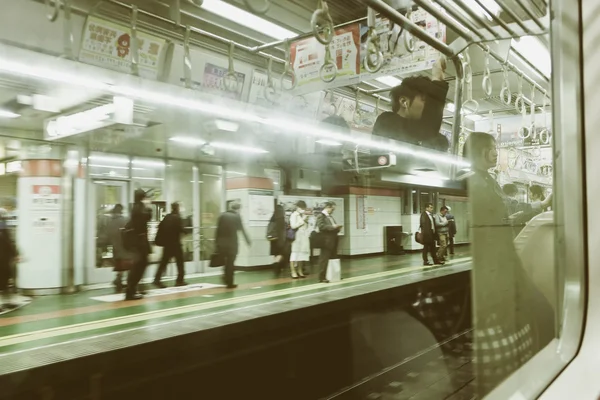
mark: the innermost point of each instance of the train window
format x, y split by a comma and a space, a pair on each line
382, 199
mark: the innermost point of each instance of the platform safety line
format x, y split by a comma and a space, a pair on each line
128, 319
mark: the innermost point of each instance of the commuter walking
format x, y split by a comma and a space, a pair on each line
428, 232
451, 230
300, 255
137, 228
328, 230
442, 230
8, 256
121, 257
228, 225
169, 237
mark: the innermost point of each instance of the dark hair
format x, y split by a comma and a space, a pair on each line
301, 204
476, 142
139, 195
235, 205
444, 208
510, 189
329, 204
427, 205
175, 207
118, 209
410, 88
336, 122
538, 191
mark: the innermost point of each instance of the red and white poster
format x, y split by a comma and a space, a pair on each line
46, 197
108, 45
308, 56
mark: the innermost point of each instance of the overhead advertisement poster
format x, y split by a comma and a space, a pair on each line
107, 44
213, 82
306, 105
397, 59
308, 56
348, 50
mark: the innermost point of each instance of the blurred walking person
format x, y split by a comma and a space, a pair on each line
169, 237
228, 225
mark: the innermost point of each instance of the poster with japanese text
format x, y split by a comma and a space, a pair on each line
213, 82
108, 45
308, 55
397, 59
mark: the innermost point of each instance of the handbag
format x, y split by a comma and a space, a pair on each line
290, 234
316, 240
419, 237
217, 260
334, 271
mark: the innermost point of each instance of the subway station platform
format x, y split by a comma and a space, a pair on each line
98, 325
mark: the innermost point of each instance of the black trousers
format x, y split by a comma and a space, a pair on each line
326, 253
136, 273
229, 257
170, 252
451, 244
429, 247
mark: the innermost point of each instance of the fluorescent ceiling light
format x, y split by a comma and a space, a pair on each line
8, 114
474, 117
247, 19
218, 145
228, 126
110, 159
147, 179
148, 163
109, 166
389, 80
450, 107
190, 141
489, 4
235, 173
230, 146
329, 142
535, 51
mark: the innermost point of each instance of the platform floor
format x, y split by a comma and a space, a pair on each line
62, 318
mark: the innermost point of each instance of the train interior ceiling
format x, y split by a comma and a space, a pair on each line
271, 104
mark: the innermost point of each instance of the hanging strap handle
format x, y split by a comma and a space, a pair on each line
288, 69
230, 80
187, 58
322, 24
52, 12
135, 51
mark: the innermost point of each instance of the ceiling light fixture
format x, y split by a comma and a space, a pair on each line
228, 126
249, 20
230, 146
8, 114
389, 80
327, 142
537, 53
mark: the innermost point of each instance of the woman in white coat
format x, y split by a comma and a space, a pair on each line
301, 245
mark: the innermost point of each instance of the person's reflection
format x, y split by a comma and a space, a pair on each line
417, 111
512, 320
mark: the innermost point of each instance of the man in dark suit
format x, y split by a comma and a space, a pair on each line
329, 230
140, 216
428, 232
171, 229
228, 225
452, 230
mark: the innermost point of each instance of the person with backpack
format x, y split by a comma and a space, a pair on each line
168, 236
136, 241
300, 255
